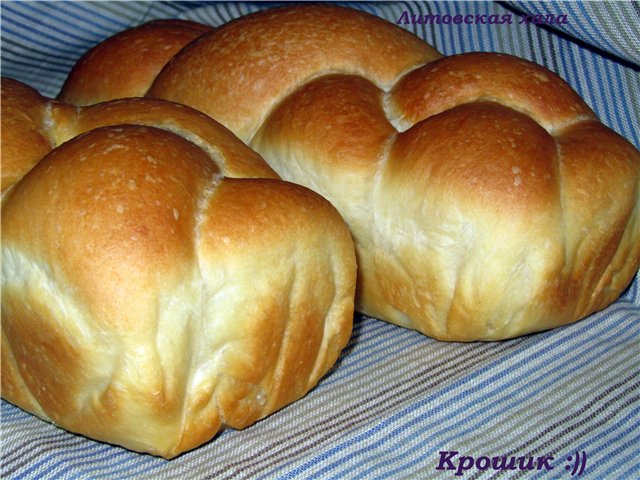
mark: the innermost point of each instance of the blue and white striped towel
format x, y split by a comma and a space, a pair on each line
397, 399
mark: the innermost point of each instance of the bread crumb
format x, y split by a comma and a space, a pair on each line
115, 146
541, 76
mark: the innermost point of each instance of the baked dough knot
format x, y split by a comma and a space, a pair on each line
159, 281
485, 198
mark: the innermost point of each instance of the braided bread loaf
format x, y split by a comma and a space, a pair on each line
485, 198
158, 280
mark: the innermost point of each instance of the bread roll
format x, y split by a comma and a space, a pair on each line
159, 282
485, 198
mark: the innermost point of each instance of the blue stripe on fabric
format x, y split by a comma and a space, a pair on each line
633, 292
633, 457
60, 24
585, 70
372, 343
487, 32
490, 28
31, 58
42, 41
104, 22
467, 39
42, 436
360, 360
18, 19
601, 41
483, 421
457, 39
107, 454
70, 453
433, 397
474, 38
126, 462
577, 81
504, 403
616, 457
60, 462
172, 8
449, 30
436, 435
597, 93
631, 427
613, 121
51, 456
363, 6
338, 375
627, 128
622, 109
588, 68
12, 413
582, 67
574, 25
18, 74
376, 334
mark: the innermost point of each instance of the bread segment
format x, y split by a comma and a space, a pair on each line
159, 281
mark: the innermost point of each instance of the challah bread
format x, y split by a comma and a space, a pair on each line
152, 291
485, 199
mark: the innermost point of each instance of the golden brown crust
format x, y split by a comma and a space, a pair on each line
510, 81
125, 64
152, 291
24, 137
268, 55
485, 199
233, 157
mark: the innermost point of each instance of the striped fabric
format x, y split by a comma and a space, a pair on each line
397, 404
